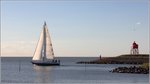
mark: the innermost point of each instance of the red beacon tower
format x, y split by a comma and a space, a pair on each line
134, 49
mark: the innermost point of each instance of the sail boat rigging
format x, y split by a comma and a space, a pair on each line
44, 54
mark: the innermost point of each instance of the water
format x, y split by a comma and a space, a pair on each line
20, 70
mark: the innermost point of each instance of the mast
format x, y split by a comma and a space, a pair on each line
44, 46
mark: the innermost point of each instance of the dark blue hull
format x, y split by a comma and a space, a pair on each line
40, 63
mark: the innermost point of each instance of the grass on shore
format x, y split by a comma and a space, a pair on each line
145, 65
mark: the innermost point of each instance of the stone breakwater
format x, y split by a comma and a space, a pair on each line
131, 69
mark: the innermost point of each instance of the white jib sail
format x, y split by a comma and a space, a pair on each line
49, 48
39, 47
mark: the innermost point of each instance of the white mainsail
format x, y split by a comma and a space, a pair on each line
49, 48
44, 49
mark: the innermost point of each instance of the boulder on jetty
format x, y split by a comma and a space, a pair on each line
131, 69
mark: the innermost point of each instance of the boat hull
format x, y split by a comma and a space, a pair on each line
40, 63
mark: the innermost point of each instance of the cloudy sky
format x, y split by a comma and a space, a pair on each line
77, 28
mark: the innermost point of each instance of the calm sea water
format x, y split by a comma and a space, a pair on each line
20, 70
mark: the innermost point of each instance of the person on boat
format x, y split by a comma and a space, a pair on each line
58, 61
53, 61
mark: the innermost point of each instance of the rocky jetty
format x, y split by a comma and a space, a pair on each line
131, 69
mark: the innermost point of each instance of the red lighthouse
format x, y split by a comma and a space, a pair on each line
134, 48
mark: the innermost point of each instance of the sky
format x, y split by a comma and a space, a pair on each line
77, 28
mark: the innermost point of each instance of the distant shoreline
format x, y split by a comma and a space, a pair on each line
122, 59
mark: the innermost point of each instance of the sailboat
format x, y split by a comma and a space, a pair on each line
44, 54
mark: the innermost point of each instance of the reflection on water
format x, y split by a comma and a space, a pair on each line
43, 73
67, 73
